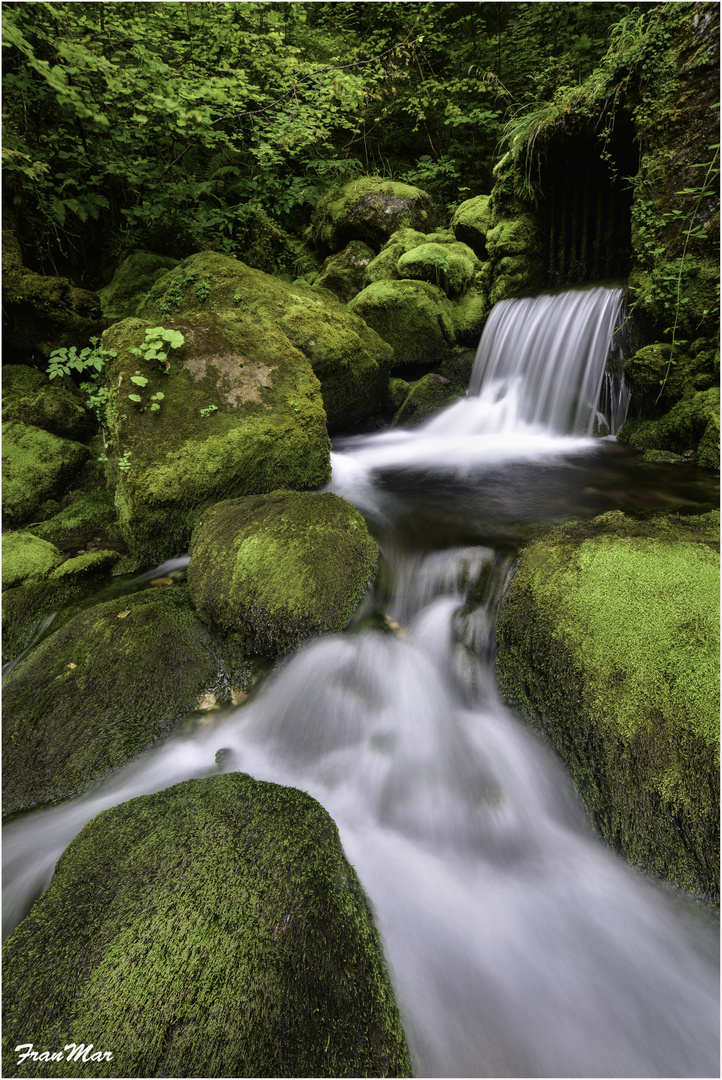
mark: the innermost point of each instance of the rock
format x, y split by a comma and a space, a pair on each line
31, 398
385, 266
471, 222
412, 316
280, 568
36, 466
426, 397
350, 361
241, 414
43, 313
101, 689
450, 266
26, 558
90, 511
211, 929
609, 640
135, 277
344, 272
369, 209
690, 425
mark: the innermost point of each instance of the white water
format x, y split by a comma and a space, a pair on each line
518, 944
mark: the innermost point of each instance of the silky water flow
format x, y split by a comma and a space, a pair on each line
518, 943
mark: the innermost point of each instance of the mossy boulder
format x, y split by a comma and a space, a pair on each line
26, 558
427, 396
385, 267
36, 466
471, 222
691, 427
211, 929
42, 313
414, 317
241, 414
344, 272
28, 396
281, 568
86, 513
350, 361
659, 376
609, 640
102, 688
135, 277
370, 209
450, 266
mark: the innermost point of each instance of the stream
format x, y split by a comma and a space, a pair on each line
519, 944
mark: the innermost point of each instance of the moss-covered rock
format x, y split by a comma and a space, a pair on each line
609, 640
471, 222
659, 376
36, 466
370, 209
102, 688
427, 396
135, 276
412, 316
344, 272
212, 929
385, 266
281, 568
690, 427
26, 557
42, 313
241, 414
350, 361
29, 397
87, 513
450, 266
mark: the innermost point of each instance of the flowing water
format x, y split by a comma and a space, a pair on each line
518, 944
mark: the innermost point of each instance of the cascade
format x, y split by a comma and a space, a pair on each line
518, 943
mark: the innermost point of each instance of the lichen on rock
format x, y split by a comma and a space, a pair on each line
211, 929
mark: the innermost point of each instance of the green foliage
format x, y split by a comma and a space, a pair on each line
63, 361
152, 352
209, 410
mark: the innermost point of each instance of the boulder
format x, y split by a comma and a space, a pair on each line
426, 397
609, 641
29, 397
369, 209
102, 688
26, 558
450, 266
36, 466
350, 361
471, 222
211, 929
414, 317
135, 277
241, 413
691, 427
344, 272
281, 568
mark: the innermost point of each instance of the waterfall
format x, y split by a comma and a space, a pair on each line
518, 943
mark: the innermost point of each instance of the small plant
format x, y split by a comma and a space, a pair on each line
152, 348
124, 461
63, 361
208, 410
238, 298
203, 289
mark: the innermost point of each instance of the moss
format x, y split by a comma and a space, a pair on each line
469, 314
371, 210
212, 929
396, 395
459, 366
450, 266
690, 427
135, 277
427, 396
26, 557
101, 689
30, 398
36, 466
280, 568
471, 222
350, 361
609, 640
415, 318
91, 511
344, 272
268, 426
